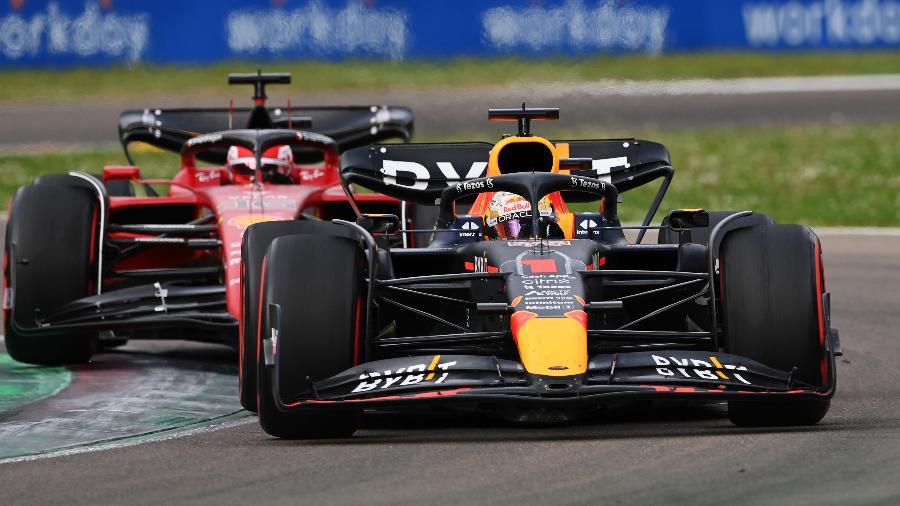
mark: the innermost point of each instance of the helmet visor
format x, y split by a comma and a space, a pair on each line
514, 228
510, 216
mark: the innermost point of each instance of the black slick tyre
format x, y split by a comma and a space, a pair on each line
316, 282
256, 242
52, 245
773, 282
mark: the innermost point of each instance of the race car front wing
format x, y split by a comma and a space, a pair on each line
492, 381
191, 311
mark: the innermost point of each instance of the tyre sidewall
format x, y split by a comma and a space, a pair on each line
772, 281
52, 241
316, 280
254, 246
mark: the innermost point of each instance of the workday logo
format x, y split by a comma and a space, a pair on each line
822, 23
90, 33
319, 29
577, 25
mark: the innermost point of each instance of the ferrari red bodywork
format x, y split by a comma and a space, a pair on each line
232, 204
166, 254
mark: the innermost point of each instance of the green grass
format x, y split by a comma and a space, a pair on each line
817, 175
312, 76
17, 169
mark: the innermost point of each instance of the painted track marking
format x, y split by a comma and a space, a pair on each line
226, 422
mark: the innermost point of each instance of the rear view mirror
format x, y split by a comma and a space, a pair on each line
380, 224
688, 218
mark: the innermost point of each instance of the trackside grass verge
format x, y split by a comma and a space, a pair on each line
354, 75
847, 175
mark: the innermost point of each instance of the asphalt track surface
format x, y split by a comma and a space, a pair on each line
640, 454
614, 108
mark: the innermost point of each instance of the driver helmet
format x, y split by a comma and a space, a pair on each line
509, 216
277, 162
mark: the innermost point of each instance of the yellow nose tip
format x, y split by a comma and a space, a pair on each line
552, 346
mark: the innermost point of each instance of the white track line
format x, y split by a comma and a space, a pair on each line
741, 86
133, 441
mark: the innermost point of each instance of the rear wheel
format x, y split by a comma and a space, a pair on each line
51, 241
773, 283
316, 282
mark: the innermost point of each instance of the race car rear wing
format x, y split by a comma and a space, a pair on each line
420, 172
414, 172
349, 126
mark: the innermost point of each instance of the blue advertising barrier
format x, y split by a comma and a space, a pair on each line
59, 33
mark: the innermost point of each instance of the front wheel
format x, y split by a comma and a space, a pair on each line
254, 246
51, 250
315, 282
772, 307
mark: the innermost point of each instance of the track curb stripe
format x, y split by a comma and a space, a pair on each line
22, 384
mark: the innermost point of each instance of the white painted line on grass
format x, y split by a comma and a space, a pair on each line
741, 86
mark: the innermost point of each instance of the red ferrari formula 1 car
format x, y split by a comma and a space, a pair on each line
525, 306
119, 257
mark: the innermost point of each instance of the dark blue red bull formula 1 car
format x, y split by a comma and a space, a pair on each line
527, 305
